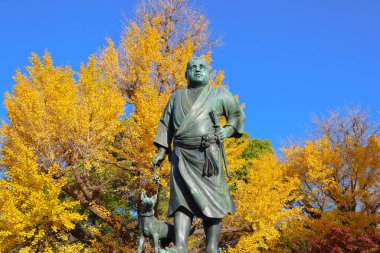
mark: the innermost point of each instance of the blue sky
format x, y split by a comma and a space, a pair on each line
285, 59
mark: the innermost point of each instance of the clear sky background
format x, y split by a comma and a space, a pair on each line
286, 59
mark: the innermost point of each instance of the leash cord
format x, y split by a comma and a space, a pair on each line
156, 177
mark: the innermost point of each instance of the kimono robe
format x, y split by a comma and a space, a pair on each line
185, 123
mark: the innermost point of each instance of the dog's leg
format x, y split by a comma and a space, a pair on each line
156, 243
141, 243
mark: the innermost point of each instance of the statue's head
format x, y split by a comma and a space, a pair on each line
197, 72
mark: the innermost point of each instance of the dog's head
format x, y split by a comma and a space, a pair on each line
147, 203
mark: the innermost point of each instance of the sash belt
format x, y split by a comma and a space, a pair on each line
188, 143
209, 143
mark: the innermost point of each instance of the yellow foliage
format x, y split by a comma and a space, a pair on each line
337, 177
142, 126
150, 61
63, 120
234, 150
339, 173
262, 201
30, 208
57, 124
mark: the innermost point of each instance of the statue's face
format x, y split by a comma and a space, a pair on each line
197, 72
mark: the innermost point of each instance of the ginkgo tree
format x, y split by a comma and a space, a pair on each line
58, 133
32, 216
339, 171
263, 193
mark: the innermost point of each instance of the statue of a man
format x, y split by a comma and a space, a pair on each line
197, 185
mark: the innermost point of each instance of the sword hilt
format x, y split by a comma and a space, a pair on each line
214, 120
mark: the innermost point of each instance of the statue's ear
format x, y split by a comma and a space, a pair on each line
186, 74
154, 197
143, 196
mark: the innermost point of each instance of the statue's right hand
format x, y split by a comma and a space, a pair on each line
159, 156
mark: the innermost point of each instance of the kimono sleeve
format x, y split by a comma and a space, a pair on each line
233, 113
164, 133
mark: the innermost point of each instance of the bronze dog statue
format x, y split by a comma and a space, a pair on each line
162, 233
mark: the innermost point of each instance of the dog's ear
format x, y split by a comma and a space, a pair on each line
154, 197
143, 196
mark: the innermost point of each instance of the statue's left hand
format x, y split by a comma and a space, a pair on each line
221, 134
224, 133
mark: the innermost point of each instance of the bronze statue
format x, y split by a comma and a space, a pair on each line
197, 185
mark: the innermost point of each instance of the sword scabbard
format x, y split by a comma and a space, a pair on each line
221, 144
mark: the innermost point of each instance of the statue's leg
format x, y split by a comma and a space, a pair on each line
182, 223
212, 227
